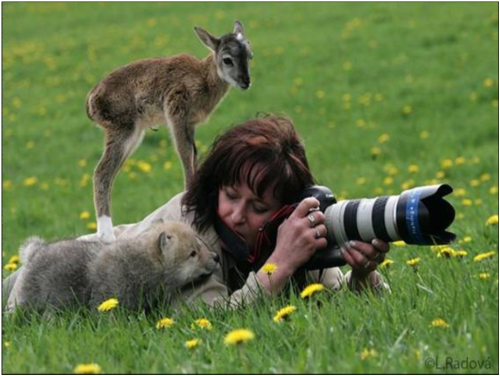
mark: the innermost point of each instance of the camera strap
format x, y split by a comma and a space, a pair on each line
264, 244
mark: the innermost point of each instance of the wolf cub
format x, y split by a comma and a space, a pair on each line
138, 272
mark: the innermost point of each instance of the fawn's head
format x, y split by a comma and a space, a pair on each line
232, 54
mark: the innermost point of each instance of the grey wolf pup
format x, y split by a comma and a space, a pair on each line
138, 272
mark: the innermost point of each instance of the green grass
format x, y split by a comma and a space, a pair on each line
345, 73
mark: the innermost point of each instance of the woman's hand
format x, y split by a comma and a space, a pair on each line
300, 235
364, 258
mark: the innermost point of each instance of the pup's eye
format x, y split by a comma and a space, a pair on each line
228, 61
192, 254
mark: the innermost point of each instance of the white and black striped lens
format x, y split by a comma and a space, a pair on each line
417, 216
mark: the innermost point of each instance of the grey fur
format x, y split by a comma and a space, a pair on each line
136, 271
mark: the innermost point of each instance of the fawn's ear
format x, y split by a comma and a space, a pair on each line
238, 28
164, 242
207, 39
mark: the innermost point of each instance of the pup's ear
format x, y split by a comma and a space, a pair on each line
164, 242
158, 221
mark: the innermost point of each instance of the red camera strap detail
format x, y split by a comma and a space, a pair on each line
268, 232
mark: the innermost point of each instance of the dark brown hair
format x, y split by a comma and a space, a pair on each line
261, 153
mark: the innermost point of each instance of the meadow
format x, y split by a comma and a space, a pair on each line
387, 96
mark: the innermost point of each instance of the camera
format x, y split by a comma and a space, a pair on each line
418, 216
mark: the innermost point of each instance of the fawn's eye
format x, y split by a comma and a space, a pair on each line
192, 254
228, 61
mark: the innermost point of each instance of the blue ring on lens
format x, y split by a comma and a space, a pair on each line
412, 216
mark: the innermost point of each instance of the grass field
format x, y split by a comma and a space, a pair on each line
387, 96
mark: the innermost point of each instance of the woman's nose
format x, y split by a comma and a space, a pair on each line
238, 216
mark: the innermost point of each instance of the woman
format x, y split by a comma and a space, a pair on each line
250, 173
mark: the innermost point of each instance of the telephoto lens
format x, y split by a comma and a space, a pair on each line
418, 216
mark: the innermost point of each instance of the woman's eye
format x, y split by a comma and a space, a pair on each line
230, 195
228, 61
192, 254
259, 210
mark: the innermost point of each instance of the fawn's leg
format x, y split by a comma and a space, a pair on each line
183, 137
118, 146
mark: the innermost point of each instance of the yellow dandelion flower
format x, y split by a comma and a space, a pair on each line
484, 275
151, 22
7, 184
391, 169
439, 323
446, 163
483, 256
493, 220
87, 369
413, 262
191, 344
92, 226
408, 184
311, 290
388, 180
368, 353
82, 162
424, 134
437, 248
399, 243
460, 192
84, 215
14, 259
460, 254
165, 323
269, 268
144, 166
284, 313
386, 263
474, 183
466, 202
413, 168
493, 190
375, 152
407, 110
446, 252
10, 267
488, 82
28, 182
167, 165
460, 161
360, 181
202, 323
238, 336
6, 344
467, 239
485, 177
108, 305
384, 138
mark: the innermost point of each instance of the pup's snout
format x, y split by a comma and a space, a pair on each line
215, 257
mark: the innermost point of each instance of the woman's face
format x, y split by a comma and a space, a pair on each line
245, 212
